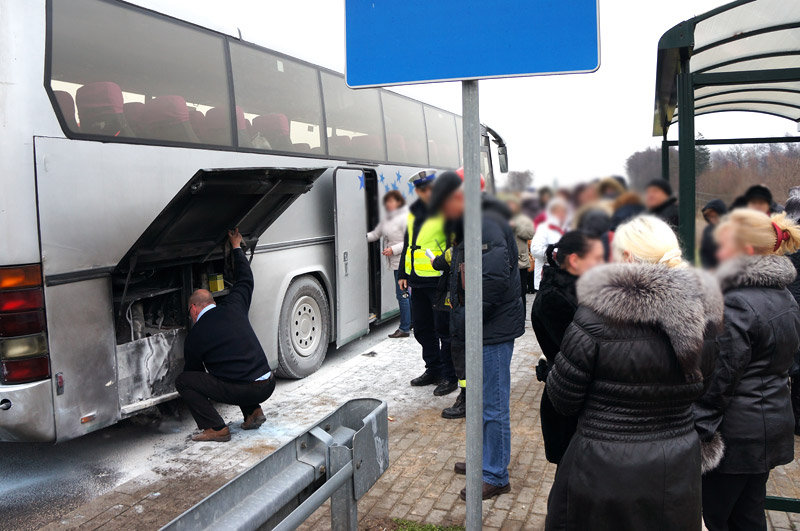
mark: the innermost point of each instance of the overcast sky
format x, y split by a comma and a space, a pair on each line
568, 128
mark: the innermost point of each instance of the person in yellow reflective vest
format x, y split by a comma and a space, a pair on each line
425, 237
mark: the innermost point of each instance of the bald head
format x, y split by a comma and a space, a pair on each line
199, 300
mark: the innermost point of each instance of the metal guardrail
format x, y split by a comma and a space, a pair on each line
341, 457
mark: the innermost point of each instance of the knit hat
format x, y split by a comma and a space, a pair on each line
661, 184
758, 192
443, 187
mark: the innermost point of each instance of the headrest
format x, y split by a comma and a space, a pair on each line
218, 118
272, 124
134, 110
166, 110
65, 101
97, 101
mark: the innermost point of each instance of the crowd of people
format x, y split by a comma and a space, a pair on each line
667, 387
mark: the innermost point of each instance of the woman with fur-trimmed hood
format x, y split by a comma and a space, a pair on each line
631, 365
747, 404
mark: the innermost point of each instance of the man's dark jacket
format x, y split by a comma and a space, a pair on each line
503, 315
667, 211
420, 211
222, 341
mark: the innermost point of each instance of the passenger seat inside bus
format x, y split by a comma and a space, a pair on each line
366, 146
217, 127
274, 128
167, 118
339, 145
196, 120
100, 109
67, 106
134, 116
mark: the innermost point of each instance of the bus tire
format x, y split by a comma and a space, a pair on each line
303, 329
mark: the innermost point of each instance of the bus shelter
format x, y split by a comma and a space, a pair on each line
742, 56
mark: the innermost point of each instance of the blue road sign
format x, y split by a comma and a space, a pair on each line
393, 42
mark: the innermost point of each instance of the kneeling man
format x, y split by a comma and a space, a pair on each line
224, 360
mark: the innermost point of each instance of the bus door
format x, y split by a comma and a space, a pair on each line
352, 252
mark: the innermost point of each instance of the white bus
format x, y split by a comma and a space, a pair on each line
131, 141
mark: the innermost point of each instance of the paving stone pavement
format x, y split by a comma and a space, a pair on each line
419, 485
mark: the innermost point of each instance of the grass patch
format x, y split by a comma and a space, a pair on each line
407, 525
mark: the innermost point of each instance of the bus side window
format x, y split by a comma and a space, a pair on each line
135, 74
280, 97
405, 129
442, 140
354, 120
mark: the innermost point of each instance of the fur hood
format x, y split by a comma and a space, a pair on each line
757, 271
680, 301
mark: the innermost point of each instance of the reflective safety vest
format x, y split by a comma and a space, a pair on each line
431, 236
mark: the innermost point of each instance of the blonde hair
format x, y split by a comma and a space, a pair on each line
756, 229
647, 239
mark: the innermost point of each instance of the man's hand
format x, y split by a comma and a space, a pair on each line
388, 252
403, 283
235, 238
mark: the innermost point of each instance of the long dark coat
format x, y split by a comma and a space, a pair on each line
552, 312
747, 400
630, 366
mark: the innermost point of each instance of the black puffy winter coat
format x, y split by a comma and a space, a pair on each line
747, 398
503, 315
630, 367
553, 309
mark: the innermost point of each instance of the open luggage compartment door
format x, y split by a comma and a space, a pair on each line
352, 275
192, 227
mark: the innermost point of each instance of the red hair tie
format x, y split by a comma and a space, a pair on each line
782, 236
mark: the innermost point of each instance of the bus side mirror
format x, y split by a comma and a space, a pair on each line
502, 155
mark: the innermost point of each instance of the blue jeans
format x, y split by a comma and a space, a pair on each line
496, 412
405, 305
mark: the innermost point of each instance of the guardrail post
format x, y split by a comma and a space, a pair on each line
344, 507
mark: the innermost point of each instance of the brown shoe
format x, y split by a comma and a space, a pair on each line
460, 468
399, 334
489, 491
212, 435
254, 420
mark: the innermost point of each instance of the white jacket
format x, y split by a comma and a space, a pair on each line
393, 230
548, 232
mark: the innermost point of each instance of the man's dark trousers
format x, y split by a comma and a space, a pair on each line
199, 388
432, 332
734, 502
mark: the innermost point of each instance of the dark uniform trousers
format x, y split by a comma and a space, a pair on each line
432, 332
199, 388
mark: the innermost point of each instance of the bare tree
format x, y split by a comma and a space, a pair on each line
519, 181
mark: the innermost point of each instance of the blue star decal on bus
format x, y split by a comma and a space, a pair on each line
410, 188
399, 177
361, 182
387, 188
394, 186
381, 177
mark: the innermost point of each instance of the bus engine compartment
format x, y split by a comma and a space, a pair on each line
151, 322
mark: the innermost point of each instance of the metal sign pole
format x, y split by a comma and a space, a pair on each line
474, 303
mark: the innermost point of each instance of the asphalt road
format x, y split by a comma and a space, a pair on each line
39, 482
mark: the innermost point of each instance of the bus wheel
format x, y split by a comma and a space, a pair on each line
304, 329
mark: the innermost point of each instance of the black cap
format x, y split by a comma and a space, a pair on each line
758, 191
443, 187
662, 184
